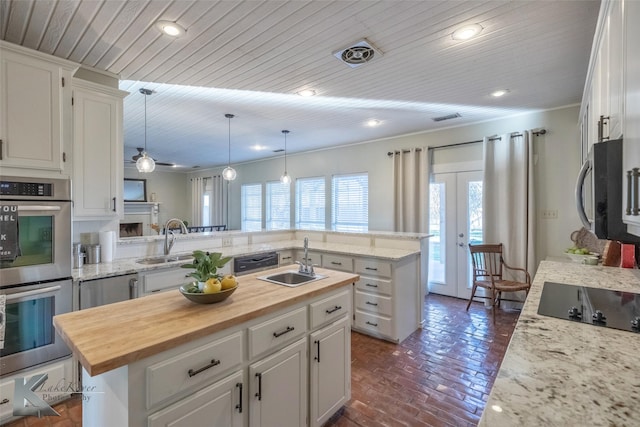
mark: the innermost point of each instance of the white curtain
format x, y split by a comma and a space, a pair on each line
411, 190
508, 200
197, 191
218, 201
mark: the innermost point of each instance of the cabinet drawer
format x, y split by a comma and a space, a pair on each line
313, 258
329, 309
275, 332
285, 258
171, 278
373, 323
375, 303
370, 284
373, 267
337, 262
183, 372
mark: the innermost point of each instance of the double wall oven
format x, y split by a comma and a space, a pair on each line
35, 269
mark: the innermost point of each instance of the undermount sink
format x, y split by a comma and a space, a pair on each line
291, 278
164, 259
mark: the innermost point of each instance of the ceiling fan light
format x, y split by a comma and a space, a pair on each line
145, 164
229, 173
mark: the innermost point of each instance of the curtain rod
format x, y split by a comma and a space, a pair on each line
497, 138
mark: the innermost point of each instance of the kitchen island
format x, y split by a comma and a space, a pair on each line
562, 373
162, 358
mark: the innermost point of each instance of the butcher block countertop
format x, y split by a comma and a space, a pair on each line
114, 335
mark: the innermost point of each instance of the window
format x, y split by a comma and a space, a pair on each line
251, 207
278, 210
350, 203
310, 203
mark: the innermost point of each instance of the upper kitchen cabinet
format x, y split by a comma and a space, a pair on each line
631, 141
602, 113
97, 150
35, 110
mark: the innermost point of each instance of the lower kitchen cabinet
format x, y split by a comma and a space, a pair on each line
219, 404
329, 366
278, 391
162, 280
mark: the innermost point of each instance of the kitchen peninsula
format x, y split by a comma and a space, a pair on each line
565, 373
159, 359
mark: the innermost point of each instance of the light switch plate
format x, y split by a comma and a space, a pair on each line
227, 241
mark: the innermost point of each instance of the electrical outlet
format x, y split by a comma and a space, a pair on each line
227, 241
550, 214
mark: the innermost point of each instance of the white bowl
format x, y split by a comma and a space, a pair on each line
580, 258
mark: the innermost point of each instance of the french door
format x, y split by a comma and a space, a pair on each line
455, 220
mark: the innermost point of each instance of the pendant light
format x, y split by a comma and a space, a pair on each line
145, 163
229, 173
285, 178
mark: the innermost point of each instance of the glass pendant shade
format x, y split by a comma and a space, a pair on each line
145, 163
229, 173
285, 178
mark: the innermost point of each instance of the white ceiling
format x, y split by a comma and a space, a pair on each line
249, 58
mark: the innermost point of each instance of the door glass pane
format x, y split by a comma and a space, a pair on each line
475, 212
29, 324
437, 225
34, 237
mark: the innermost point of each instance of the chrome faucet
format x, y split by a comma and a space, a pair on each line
168, 244
306, 267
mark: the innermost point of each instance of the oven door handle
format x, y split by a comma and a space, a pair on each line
27, 208
18, 295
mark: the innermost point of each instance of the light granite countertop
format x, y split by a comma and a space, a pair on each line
561, 373
129, 265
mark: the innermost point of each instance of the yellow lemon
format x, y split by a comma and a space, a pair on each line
229, 281
211, 286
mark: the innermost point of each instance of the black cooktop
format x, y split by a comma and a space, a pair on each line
598, 307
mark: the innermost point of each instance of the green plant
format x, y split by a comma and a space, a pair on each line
206, 265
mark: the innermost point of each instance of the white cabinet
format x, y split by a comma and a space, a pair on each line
337, 262
285, 258
631, 141
97, 151
35, 109
329, 366
278, 388
219, 404
387, 298
164, 279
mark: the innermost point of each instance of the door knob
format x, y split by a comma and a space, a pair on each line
461, 235
461, 244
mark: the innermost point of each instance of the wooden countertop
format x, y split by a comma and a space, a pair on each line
114, 335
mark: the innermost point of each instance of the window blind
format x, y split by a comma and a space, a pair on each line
278, 211
350, 202
251, 207
310, 203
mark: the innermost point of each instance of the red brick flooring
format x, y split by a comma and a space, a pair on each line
439, 376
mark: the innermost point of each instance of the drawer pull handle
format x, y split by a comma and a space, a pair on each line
629, 191
336, 263
279, 334
239, 405
371, 268
286, 257
317, 343
259, 393
371, 285
5, 400
372, 324
635, 209
375, 304
213, 363
334, 309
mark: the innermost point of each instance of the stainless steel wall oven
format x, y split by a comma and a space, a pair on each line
35, 269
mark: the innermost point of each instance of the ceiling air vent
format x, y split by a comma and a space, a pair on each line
279, 150
448, 117
358, 53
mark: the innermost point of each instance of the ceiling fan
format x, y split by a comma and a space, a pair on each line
140, 151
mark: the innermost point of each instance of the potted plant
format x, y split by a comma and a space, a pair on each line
206, 265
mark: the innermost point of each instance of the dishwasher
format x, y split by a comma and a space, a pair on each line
94, 293
254, 263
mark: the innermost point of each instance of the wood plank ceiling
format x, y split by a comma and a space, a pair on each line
250, 58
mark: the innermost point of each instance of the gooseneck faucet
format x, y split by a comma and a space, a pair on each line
307, 266
168, 244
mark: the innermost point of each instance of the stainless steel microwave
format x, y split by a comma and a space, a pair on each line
599, 193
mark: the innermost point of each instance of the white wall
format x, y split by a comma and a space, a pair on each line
556, 169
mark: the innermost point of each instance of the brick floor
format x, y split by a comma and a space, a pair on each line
439, 376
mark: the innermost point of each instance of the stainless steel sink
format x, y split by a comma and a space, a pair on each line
164, 259
291, 278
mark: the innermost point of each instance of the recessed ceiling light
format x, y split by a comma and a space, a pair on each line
170, 28
373, 122
258, 147
307, 92
467, 32
500, 92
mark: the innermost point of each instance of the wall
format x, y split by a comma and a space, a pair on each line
557, 166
